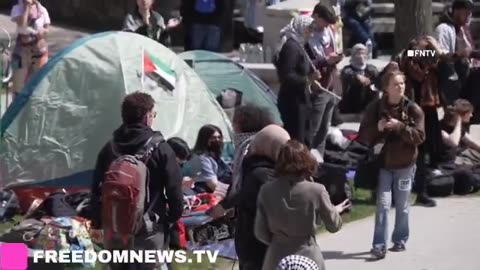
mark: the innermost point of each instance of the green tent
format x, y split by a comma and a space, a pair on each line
220, 72
69, 109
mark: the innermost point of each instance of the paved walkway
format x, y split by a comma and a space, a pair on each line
442, 238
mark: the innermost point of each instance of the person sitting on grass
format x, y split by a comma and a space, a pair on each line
208, 160
460, 148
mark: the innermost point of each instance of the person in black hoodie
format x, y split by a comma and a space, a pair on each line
165, 173
257, 169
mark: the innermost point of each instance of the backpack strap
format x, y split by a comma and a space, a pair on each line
146, 151
144, 154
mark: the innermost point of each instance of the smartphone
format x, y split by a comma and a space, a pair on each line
386, 116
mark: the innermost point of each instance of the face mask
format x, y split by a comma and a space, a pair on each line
216, 147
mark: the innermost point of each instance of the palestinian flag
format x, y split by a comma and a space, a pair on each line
157, 72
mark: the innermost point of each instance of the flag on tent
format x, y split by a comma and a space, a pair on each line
157, 72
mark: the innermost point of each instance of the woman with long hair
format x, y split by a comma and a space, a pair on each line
212, 169
31, 48
424, 79
290, 209
147, 22
399, 124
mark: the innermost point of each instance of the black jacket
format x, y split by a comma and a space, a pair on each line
257, 170
165, 173
294, 69
356, 96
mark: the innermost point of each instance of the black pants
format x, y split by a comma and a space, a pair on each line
295, 118
429, 150
246, 265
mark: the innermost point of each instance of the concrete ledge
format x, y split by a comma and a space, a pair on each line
389, 8
267, 72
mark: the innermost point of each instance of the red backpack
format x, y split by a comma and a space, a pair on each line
125, 195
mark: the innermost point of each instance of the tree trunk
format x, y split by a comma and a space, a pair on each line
412, 18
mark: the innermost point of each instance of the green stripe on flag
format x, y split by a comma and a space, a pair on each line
161, 65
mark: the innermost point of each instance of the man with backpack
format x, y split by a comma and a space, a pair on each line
137, 184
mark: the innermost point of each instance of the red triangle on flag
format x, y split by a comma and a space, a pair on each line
148, 66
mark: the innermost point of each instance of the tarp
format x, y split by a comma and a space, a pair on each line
220, 72
68, 111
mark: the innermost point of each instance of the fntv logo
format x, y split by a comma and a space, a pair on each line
421, 53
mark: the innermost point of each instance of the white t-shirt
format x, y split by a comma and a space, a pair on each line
41, 22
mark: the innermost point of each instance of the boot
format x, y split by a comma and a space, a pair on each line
424, 200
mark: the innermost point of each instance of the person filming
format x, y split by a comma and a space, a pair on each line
399, 123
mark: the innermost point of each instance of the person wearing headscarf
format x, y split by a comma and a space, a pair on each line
31, 48
297, 262
295, 72
358, 79
257, 169
290, 209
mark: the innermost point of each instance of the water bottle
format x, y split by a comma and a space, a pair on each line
243, 53
261, 56
369, 45
268, 55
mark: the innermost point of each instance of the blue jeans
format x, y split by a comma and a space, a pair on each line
206, 37
400, 182
323, 105
361, 31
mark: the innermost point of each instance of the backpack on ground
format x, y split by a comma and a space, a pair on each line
205, 6
334, 178
125, 195
440, 185
55, 205
466, 182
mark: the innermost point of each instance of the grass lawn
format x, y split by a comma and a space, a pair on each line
362, 208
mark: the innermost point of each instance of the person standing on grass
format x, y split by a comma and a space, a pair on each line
291, 209
399, 123
248, 120
165, 176
31, 48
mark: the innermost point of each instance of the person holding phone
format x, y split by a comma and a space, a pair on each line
147, 22
399, 124
291, 208
325, 55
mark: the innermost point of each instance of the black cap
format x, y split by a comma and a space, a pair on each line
462, 4
325, 12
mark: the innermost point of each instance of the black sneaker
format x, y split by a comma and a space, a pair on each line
378, 253
425, 201
398, 248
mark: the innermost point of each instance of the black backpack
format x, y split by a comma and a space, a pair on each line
334, 178
55, 205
